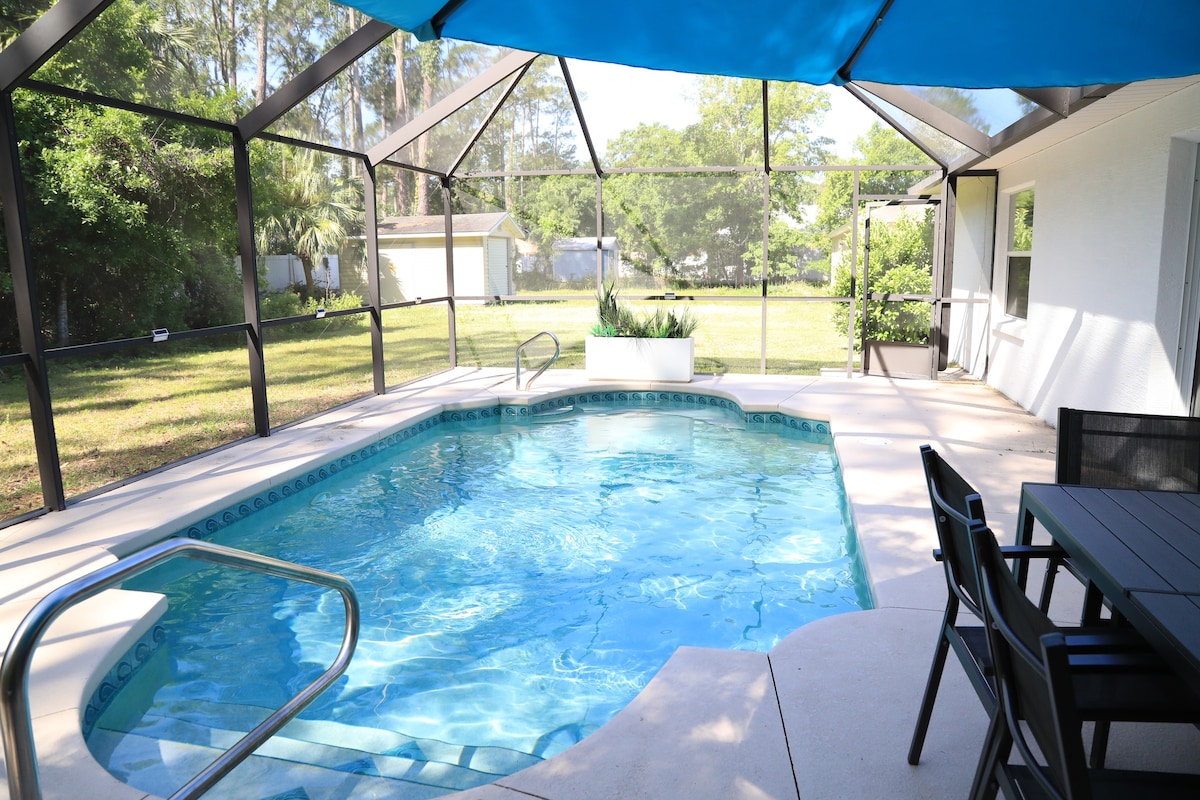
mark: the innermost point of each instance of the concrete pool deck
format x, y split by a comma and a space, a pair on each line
827, 714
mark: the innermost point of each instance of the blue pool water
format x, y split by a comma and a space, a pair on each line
520, 583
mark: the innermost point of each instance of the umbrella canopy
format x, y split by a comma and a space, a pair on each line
1016, 43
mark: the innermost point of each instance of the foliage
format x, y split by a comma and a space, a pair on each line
277, 305
132, 221
294, 303
614, 318
307, 208
879, 145
901, 256
896, 321
709, 229
1022, 223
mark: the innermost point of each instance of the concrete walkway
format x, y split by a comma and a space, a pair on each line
827, 714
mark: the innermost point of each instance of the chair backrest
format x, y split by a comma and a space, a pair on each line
1128, 451
956, 506
1033, 677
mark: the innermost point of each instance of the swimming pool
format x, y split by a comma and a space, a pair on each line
492, 641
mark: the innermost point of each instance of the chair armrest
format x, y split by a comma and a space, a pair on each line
1021, 552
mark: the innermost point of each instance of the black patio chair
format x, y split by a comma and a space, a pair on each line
1042, 684
956, 506
1122, 451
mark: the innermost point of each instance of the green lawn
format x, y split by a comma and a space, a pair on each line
123, 415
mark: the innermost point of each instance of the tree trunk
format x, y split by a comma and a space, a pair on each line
309, 285
423, 151
429, 71
233, 45
399, 39
260, 44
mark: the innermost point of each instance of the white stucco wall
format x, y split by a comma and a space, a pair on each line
974, 220
1107, 271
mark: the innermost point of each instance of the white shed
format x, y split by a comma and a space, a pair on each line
412, 256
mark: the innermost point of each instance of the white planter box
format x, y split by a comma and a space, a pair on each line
623, 358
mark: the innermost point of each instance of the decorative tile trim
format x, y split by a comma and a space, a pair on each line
121, 673
810, 430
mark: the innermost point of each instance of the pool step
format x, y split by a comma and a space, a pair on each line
308, 759
552, 415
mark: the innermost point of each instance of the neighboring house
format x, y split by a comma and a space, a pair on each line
412, 256
1100, 307
575, 259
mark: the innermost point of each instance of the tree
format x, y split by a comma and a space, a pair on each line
882, 146
307, 210
709, 228
132, 219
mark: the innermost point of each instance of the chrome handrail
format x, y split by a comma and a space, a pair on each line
16, 726
544, 367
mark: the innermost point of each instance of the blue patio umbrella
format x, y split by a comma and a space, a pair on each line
1015, 43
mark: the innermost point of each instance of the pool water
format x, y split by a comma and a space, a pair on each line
520, 583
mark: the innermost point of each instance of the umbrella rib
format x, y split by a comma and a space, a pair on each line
844, 71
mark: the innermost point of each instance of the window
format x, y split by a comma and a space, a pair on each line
1020, 249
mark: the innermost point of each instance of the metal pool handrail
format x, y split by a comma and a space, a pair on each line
16, 726
544, 367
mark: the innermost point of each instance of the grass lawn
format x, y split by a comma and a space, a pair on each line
132, 412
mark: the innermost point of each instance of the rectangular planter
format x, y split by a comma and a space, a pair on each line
623, 358
898, 359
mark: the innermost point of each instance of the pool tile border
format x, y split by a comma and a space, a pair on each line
814, 430
120, 674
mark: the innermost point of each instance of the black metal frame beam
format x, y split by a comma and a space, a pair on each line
491, 115
48, 34
24, 282
452, 102
126, 105
931, 115
249, 258
374, 291
916, 141
314, 77
587, 135
844, 72
452, 317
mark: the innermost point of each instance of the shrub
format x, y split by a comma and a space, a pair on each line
901, 259
276, 305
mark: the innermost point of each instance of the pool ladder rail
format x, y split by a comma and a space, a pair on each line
543, 367
16, 726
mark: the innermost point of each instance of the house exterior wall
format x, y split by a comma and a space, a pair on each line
418, 269
970, 294
1108, 259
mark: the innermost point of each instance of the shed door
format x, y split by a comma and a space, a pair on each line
498, 276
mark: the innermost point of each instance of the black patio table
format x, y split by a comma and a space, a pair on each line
1142, 551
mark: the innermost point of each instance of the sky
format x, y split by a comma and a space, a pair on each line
615, 102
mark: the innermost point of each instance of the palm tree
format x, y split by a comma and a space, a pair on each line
308, 210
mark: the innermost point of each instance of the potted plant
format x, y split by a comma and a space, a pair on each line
649, 347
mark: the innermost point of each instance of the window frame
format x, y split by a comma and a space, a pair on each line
1018, 261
